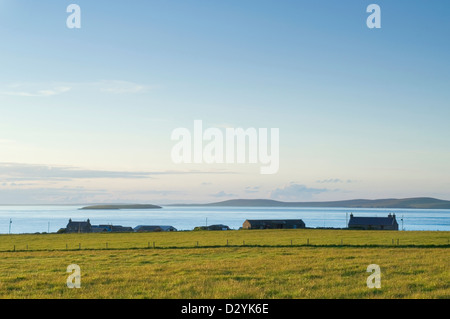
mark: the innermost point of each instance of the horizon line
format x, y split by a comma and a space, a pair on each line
220, 201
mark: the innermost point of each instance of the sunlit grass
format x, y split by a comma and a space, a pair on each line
177, 269
223, 238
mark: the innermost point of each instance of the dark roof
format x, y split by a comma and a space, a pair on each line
373, 221
82, 224
116, 228
213, 227
147, 228
218, 226
275, 221
167, 228
98, 229
78, 226
154, 228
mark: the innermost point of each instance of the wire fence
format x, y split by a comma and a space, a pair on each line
293, 243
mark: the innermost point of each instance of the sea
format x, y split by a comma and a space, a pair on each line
49, 219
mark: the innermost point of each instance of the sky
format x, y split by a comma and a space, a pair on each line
87, 114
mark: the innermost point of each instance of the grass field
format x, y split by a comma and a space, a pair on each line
254, 264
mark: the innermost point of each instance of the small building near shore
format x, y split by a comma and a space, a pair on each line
78, 227
99, 229
113, 228
273, 224
154, 228
86, 227
213, 227
373, 223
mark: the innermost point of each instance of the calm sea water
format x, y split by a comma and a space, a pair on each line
32, 219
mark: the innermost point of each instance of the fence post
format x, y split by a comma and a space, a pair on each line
153, 245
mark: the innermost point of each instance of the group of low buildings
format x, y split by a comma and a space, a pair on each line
365, 223
86, 227
373, 223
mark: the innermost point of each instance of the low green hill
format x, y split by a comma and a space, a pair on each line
413, 203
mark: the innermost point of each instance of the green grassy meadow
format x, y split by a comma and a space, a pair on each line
253, 264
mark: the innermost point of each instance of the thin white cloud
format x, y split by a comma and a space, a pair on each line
49, 89
222, 194
296, 192
38, 195
120, 87
252, 190
330, 180
30, 92
18, 172
334, 181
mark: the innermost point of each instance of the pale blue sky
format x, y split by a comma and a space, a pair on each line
362, 113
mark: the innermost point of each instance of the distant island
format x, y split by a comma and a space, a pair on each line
413, 203
112, 207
